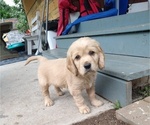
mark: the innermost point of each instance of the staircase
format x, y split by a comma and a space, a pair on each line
125, 41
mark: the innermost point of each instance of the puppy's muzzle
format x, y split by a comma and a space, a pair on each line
87, 66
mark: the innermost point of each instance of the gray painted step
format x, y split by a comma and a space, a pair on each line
122, 67
114, 22
133, 43
116, 30
126, 67
117, 35
114, 82
114, 89
55, 53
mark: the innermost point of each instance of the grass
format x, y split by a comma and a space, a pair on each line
144, 91
117, 105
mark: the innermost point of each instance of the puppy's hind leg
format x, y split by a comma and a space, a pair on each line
58, 90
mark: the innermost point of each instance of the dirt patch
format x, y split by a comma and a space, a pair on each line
106, 118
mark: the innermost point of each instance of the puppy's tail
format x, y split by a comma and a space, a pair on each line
32, 58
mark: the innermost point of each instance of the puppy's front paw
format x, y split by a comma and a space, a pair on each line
96, 103
48, 102
84, 109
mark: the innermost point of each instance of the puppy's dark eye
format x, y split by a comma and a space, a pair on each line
91, 53
77, 57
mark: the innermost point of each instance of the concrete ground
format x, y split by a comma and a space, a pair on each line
137, 113
22, 102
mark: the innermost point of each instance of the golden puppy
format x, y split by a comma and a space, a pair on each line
76, 72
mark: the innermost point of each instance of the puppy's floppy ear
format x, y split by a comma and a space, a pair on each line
101, 59
71, 66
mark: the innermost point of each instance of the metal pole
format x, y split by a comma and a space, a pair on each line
148, 4
40, 37
43, 13
117, 5
47, 13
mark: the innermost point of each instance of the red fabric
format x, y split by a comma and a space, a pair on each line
65, 7
95, 6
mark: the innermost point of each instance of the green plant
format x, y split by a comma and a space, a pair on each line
117, 105
22, 24
145, 91
16, 11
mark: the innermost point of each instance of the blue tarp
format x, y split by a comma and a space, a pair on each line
123, 5
111, 12
15, 45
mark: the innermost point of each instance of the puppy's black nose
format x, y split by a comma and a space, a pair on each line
87, 65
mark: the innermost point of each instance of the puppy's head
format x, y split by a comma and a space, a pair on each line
85, 56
